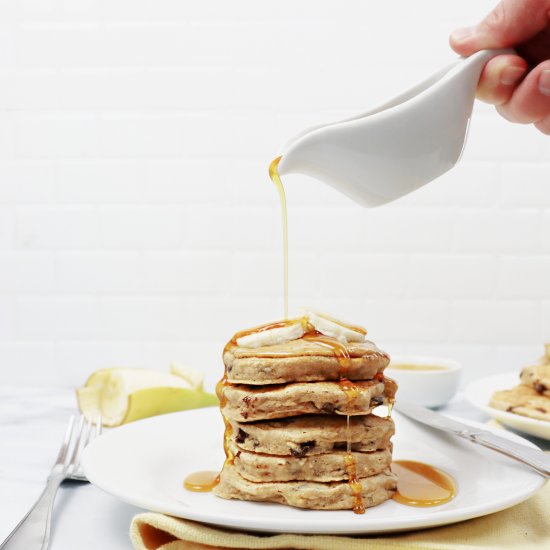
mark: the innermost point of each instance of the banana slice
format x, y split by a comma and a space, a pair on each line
336, 329
265, 336
122, 395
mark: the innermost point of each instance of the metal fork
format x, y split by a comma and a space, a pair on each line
33, 531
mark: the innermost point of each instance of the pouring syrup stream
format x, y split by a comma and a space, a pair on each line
275, 178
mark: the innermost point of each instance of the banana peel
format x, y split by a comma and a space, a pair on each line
122, 395
193, 377
154, 401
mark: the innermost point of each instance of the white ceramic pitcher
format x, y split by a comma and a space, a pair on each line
387, 152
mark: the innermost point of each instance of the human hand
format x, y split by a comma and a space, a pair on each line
519, 85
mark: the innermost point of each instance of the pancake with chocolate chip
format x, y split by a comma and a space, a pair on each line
300, 361
313, 434
307, 494
538, 378
247, 403
522, 400
259, 467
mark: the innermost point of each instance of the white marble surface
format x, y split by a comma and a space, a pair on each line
32, 424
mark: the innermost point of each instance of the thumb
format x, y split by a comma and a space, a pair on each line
510, 23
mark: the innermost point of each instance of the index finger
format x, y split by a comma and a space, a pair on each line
510, 23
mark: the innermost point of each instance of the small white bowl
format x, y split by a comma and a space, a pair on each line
431, 386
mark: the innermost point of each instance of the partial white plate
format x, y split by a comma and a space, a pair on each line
479, 394
144, 463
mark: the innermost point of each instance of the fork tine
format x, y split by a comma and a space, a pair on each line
62, 455
82, 442
74, 447
98, 425
88, 438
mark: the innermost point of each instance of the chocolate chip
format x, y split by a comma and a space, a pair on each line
328, 408
305, 447
241, 436
540, 388
379, 400
247, 399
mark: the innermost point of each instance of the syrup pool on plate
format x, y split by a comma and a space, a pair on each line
201, 482
422, 485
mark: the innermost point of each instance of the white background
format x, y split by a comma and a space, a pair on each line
138, 225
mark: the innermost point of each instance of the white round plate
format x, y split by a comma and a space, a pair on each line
144, 463
479, 394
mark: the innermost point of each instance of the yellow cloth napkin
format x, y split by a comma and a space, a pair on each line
522, 527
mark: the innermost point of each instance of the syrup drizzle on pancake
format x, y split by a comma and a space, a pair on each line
390, 388
351, 469
344, 360
352, 391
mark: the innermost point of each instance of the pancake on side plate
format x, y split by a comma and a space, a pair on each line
522, 400
537, 377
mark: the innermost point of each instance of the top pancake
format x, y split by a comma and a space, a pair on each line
300, 361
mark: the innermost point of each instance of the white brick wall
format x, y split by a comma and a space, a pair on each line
138, 225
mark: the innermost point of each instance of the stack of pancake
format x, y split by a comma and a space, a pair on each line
297, 407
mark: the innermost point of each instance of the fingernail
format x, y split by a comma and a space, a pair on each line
544, 82
460, 35
511, 75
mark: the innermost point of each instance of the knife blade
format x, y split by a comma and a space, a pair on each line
534, 458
